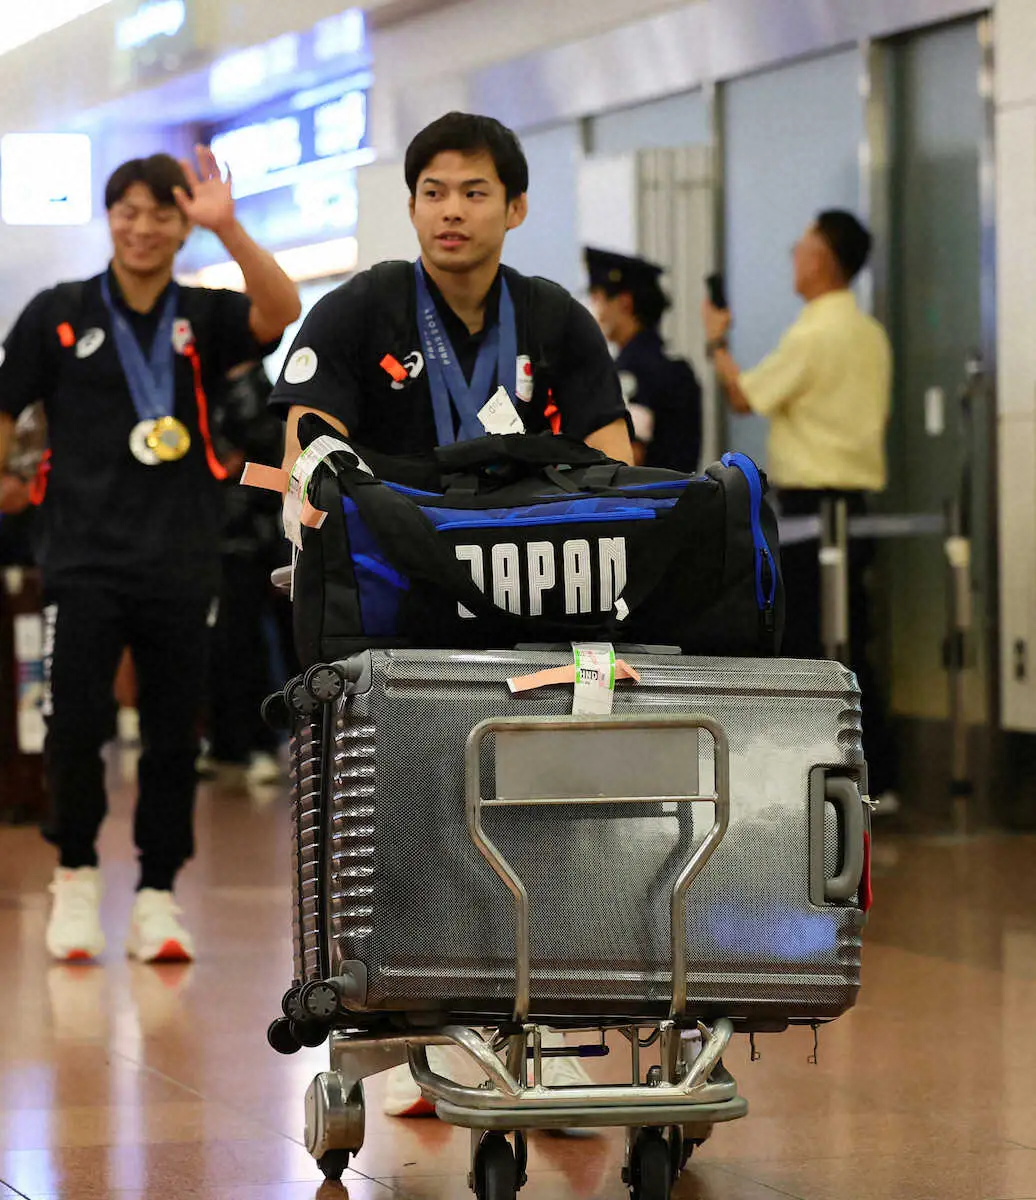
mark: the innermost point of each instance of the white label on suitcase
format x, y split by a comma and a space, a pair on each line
595, 679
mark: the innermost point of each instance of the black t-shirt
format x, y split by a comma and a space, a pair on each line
336, 362
670, 389
108, 518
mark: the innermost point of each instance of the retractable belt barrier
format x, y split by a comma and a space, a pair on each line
832, 528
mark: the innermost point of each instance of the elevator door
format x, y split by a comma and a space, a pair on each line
937, 126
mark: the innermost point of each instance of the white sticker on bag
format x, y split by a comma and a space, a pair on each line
499, 415
595, 679
301, 473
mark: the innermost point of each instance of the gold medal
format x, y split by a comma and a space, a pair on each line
169, 439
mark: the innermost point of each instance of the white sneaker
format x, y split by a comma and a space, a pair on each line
74, 932
155, 935
402, 1095
562, 1072
691, 1045
263, 769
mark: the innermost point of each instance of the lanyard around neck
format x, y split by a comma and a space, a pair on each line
151, 380
497, 359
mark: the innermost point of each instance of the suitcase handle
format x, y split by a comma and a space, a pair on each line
475, 803
844, 794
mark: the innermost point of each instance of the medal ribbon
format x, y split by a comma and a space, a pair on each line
150, 380
498, 355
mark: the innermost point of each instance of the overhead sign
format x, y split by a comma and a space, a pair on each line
338, 42
291, 145
45, 179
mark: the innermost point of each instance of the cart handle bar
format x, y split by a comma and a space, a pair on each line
474, 802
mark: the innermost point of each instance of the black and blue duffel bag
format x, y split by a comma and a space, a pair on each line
516, 538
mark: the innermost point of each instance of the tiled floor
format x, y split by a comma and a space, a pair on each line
123, 1082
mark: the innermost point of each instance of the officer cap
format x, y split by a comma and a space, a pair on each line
615, 273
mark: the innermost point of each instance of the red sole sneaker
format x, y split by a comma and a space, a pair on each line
78, 956
420, 1108
171, 951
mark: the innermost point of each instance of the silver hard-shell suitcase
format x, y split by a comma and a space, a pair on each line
397, 904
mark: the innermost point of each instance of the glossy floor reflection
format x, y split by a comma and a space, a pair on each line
126, 1082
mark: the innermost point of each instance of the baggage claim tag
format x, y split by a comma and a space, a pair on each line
298, 485
595, 679
499, 415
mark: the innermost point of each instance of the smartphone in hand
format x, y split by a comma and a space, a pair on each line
717, 290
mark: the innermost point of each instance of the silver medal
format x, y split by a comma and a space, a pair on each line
139, 448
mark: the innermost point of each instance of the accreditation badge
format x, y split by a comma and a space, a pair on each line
169, 439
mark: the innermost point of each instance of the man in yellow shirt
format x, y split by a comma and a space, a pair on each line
826, 390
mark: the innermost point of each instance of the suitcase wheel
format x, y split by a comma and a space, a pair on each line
291, 1005
282, 1038
324, 682
309, 1033
319, 1001
651, 1173
333, 1163
496, 1171
275, 713
299, 701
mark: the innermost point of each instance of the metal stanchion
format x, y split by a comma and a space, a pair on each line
958, 556
834, 578
961, 616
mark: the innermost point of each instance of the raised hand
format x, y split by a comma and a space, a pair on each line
210, 202
717, 321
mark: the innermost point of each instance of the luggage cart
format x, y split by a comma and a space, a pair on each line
667, 1112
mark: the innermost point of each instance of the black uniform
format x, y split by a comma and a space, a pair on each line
567, 380
670, 390
129, 554
666, 387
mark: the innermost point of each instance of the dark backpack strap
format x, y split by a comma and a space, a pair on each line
67, 299
547, 316
389, 280
66, 308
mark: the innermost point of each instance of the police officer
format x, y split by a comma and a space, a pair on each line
407, 355
826, 390
129, 539
663, 394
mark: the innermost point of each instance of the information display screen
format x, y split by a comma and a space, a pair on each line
45, 179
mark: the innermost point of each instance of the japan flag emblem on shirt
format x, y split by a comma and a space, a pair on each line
524, 381
183, 335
